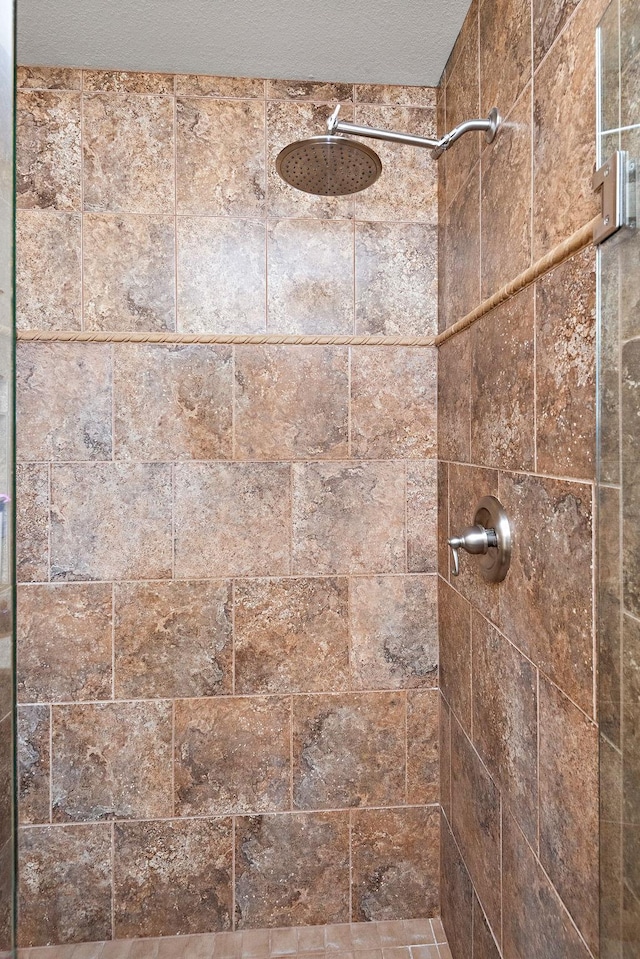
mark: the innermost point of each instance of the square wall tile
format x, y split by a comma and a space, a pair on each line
460, 251
505, 52
232, 756
111, 761
221, 275
220, 150
63, 400
32, 522
64, 642
172, 402
128, 148
457, 895
129, 273
423, 747
34, 764
48, 277
454, 634
463, 102
454, 398
172, 640
291, 402
48, 151
48, 78
422, 516
311, 276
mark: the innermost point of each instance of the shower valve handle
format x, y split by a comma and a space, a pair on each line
474, 539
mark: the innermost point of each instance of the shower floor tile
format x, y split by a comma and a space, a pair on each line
408, 939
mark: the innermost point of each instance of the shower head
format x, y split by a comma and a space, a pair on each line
329, 165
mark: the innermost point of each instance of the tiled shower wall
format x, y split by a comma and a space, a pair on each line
228, 659
516, 408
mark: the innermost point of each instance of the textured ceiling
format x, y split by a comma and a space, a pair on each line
405, 42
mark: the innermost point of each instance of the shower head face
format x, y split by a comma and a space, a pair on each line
328, 166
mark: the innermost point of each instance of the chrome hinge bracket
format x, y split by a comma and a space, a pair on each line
613, 181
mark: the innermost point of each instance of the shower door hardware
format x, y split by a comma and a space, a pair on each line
489, 537
616, 181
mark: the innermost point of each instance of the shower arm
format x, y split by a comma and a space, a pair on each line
489, 127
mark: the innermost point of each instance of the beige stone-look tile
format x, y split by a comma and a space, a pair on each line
232, 520
565, 368
393, 402
48, 287
365, 936
310, 270
172, 878
549, 17
63, 399
460, 251
64, 642
34, 764
32, 522
308, 90
337, 938
422, 508
569, 807
348, 519
457, 896
393, 632
311, 939
467, 486
220, 156
288, 122
65, 884
291, 402
391, 94
291, 635
454, 634
128, 151
423, 749
172, 402
111, 761
232, 756
111, 521
199, 85
348, 750
505, 53
112, 81
395, 877
283, 942
506, 195
546, 599
221, 275
172, 640
129, 272
396, 279
48, 151
454, 398
463, 102
255, 943
292, 870
48, 78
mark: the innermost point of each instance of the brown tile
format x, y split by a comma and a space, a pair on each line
467, 485
484, 945
32, 522
48, 78
423, 747
546, 599
232, 755
549, 17
393, 402
535, 920
505, 53
129, 272
399, 95
457, 893
569, 807
609, 399
502, 386
463, 102
233, 252
48, 151
64, 642
460, 251
422, 520
292, 870
310, 267
454, 632
408, 186
291, 402
196, 85
505, 717
65, 884
395, 877
287, 122
631, 739
190, 391
111, 761
291, 635
244, 531
565, 368
394, 632
172, 640
220, 174
348, 750
7, 781
7, 873
128, 149
34, 764
172, 878
111, 81
88, 540
308, 90
506, 171
445, 757
630, 444
454, 399
48, 288
475, 814
396, 279
63, 401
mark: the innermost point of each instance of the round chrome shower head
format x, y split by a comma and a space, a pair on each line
328, 166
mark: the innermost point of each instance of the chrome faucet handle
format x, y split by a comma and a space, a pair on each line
489, 537
475, 539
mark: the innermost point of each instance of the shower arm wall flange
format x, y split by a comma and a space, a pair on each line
489, 127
